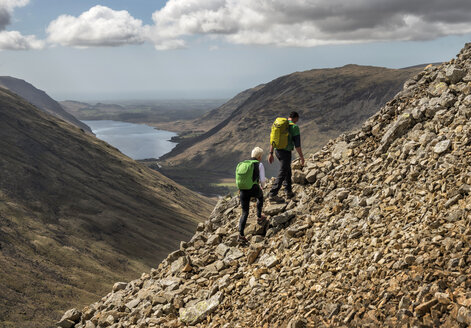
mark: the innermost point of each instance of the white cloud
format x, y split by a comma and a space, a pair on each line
6, 10
14, 40
99, 26
299, 23
307, 23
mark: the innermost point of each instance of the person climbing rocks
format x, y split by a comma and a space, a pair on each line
250, 176
284, 156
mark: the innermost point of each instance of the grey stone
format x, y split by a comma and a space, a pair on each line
158, 300
268, 260
436, 89
395, 130
442, 146
409, 259
275, 209
170, 282
297, 323
311, 176
233, 254
299, 177
72, 315
119, 286
196, 313
340, 150
464, 315
65, 323
282, 218
342, 194
89, 324
447, 100
175, 255
221, 250
405, 302
443, 298
133, 303
253, 253
214, 240
168, 308
455, 74
178, 265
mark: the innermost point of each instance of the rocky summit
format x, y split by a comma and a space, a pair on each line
378, 233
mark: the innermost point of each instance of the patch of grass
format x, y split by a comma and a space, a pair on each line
228, 184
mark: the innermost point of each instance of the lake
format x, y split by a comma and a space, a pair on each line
137, 141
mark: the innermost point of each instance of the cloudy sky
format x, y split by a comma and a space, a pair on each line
134, 49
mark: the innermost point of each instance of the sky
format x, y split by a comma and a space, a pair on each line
141, 49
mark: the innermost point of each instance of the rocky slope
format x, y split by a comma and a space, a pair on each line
76, 215
330, 101
40, 99
379, 233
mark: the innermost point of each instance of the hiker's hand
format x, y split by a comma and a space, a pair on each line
302, 161
270, 158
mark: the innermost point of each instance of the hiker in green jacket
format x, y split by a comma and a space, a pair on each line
284, 156
258, 176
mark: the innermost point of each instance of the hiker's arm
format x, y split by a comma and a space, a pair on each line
270, 155
297, 145
301, 156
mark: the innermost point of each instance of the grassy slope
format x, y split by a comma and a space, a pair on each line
76, 215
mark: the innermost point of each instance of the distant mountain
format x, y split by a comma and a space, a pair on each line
156, 112
329, 101
76, 215
210, 119
40, 99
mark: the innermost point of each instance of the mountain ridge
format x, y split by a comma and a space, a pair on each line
40, 99
329, 101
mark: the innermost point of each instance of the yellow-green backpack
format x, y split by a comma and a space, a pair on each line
244, 174
279, 133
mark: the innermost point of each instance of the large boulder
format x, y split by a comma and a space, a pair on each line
196, 313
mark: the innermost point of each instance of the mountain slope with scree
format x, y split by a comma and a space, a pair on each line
378, 235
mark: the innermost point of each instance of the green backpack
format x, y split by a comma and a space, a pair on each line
244, 174
279, 133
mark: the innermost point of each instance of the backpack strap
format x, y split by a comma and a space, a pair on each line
256, 171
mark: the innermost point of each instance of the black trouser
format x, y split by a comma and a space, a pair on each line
245, 196
284, 177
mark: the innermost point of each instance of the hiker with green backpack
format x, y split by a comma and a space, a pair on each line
249, 175
284, 137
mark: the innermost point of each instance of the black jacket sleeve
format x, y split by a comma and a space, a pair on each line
297, 141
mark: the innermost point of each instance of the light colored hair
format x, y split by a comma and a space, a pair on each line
257, 152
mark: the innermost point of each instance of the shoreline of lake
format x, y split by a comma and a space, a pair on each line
138, 141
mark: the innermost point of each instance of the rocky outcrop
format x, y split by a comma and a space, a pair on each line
378, 234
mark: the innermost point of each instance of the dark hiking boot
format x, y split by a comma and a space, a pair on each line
275, 199
261, 220
242, 240
290, 195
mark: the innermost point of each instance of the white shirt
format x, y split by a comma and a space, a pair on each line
262, 174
